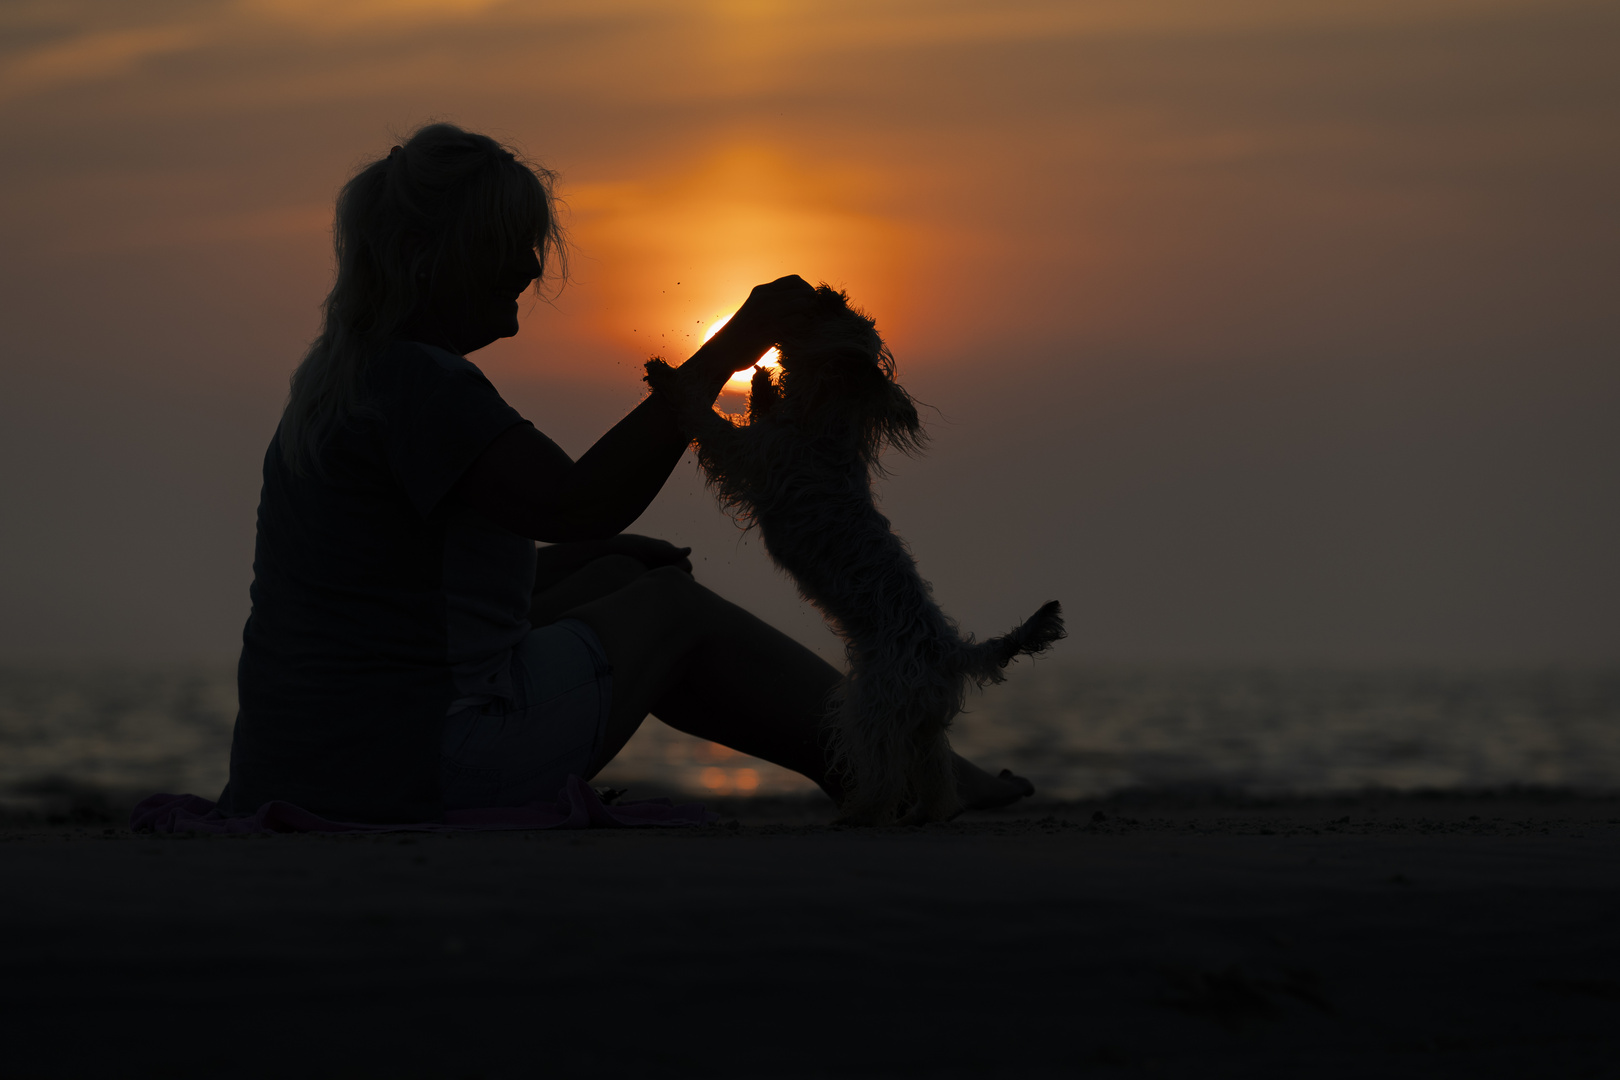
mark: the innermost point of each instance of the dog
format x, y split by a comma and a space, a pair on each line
799, 467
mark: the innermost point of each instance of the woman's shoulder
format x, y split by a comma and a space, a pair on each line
420, 384
409, 368
402, 353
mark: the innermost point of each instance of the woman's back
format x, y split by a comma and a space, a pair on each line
377, 600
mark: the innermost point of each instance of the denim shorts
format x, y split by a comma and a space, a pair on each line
513, 753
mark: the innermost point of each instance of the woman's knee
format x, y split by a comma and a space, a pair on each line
672, 584
655, 618
621, 568
670, 594
596, 579
663, 604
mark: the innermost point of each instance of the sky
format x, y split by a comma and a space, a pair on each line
1253, 332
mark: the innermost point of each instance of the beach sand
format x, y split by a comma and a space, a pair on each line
1378, 936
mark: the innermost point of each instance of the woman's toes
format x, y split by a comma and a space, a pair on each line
1002, 790
1025, 788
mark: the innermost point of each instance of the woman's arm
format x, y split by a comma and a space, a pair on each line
526, 483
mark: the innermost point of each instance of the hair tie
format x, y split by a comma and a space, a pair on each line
394, 151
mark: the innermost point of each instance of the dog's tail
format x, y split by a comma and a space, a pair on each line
985, 661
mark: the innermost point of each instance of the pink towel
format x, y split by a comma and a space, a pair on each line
578, 807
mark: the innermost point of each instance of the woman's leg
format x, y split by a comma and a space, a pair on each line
595, 579
705, 666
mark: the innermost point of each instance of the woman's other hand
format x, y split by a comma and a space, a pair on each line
650, 551
554, 563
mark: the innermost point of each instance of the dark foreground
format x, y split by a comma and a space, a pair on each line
1420, 937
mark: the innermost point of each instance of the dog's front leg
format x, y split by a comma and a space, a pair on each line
719, 438
763, 396
693, 412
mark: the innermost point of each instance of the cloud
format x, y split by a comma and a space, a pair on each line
324, 17
736, 47
94, 56
194, 229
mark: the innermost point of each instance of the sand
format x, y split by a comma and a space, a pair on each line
1379, 937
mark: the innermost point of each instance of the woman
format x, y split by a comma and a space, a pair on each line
408, 652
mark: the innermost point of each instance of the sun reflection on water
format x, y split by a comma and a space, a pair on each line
734, 780
699, 767
730, 781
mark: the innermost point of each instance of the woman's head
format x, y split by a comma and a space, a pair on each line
440, 220
441, 236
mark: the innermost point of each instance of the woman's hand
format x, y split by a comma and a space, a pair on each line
526, 484
771, 312
554, 563
650, 551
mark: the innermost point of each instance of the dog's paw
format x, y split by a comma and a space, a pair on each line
658, 374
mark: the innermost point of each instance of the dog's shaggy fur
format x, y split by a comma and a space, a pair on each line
800, 468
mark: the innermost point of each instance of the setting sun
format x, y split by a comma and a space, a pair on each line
743, 378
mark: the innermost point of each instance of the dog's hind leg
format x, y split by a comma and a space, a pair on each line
933, 783
871, 752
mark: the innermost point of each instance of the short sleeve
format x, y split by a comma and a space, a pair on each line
439, 413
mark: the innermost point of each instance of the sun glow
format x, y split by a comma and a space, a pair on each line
744, 378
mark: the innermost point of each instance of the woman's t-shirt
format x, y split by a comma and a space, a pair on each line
377, 601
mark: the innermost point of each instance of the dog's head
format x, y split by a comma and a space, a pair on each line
837, 379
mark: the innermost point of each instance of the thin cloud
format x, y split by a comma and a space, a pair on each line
93, 57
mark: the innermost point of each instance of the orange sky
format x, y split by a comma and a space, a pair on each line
1234, 311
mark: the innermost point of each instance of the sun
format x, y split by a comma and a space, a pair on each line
744, 378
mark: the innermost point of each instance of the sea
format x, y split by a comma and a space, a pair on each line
71, 733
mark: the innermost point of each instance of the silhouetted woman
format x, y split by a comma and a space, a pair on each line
408, 651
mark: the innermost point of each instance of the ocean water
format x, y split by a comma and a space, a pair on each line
1077, 731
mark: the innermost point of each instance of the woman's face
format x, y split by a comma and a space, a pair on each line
517, 274
467, 316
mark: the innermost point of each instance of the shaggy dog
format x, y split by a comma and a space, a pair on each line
800, 468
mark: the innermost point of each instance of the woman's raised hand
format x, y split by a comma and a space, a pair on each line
771, 312
650, 551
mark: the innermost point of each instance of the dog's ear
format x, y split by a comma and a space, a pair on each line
853, 392
891, 416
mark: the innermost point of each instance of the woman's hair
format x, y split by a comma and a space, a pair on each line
448, 205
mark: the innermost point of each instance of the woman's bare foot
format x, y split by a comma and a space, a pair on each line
981, 791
